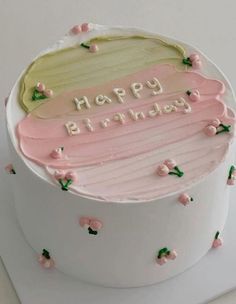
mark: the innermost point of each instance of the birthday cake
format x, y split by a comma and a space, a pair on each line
122, 155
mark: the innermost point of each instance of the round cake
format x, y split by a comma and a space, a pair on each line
122, 147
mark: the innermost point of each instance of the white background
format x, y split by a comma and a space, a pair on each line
29, 26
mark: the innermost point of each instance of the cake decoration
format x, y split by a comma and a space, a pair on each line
57, 153
86, 27
76, 29
93, 48
193, 61
232, 176
217, 241
164, 255
194, 95
93, 225
169, 164
65, 179
119, 114
45, 260
216, 127
40, 92
9, 169
185, 199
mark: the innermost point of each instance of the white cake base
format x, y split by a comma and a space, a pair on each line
214, 275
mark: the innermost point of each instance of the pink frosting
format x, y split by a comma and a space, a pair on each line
118, 163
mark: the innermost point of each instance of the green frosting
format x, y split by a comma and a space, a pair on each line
76, 67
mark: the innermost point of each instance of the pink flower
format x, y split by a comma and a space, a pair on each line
57, 153
85, 27
9, 169
48, 263
40, 87
185, 199
197, 64
162, 170
95, 224
172, 255
76, 29
71, 175
161, 261
217, 243
194, 57
48, 93
231, 181
93, 48
215, 122
41, 259
170, 163
210, 130
59, 174
195, 61
84, 222
194, 95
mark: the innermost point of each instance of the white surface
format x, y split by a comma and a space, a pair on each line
206, 24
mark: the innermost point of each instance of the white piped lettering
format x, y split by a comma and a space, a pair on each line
156, 110
101, 99
120, 93
72, 128
136, 115
88, 124
154, 84
120, 117
82, 101
104, 123
136, 87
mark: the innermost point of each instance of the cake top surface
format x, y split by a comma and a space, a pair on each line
121, 115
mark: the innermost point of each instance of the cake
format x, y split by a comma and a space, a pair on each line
122, 149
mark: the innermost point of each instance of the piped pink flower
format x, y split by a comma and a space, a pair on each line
215, 122
164, 254
72, 176
185, 199
85, 27
162, 170
9, 169
217, 241
91, 224
232, 176
161, 261
93, 48
40, 87
76, 29
57, 153
172, 255
96, 224
216, 127
59, 174
48, 93
45, 260
169, 164
194, 95
193, 60
84, 222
